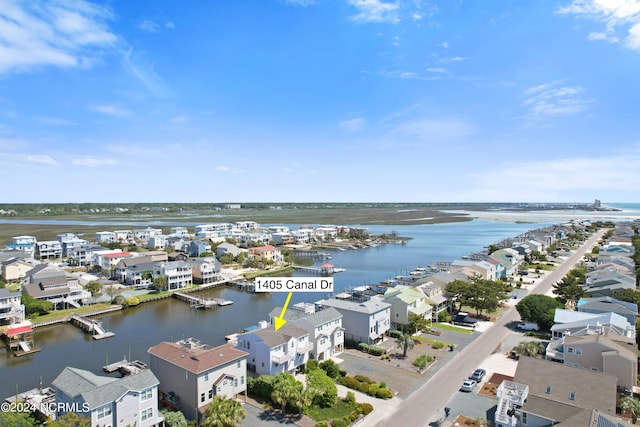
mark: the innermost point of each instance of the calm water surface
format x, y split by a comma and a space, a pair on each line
139, 328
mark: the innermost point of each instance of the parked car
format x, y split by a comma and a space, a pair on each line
468, 385
478, 375
528, 326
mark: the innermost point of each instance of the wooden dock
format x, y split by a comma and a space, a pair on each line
201, 303
125, 367
93, 326
325, 270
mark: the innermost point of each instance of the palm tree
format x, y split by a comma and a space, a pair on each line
405, 342
530, 348
224, 412
631, 405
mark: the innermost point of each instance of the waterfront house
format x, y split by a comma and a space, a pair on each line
69, 242
363, 321
205, 270
435, 298
48, 250
136, 271
246, 225
483, 269
54, 285
15, 269
84, 255
191, 374
142, 236
179, 232
11, 308
272, 352
326, 333
105, 237
266, 253
282, 238
109, 261
159, 241
177, 273
211, 231
109, 401
197, 247
405, 301
227, 248
509, 258
124, 236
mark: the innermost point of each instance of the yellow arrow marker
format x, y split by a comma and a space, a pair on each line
279, 321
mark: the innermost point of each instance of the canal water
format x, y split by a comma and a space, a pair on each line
137, 329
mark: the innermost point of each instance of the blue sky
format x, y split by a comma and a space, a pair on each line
320, 100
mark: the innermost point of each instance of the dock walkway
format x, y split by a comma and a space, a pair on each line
198, 303
93, 326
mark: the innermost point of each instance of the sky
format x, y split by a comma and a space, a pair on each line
319, 101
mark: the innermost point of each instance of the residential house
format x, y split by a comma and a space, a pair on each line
52, 284
363, 321
604, 305
205, 270
136, 271
544, 393
483, 269
276, 229
142, 236
569, 322
109, 261
109, 401
159, 241
272, 352
324, 326
191, 374
302, 236
179, 232
209, 231
105, 237
177, 273
198, 247
11, 308
283, 238
227, 248
69, 242
26, 244
255, 238
84, 255
405, 301
267, 253
435, 298
124, 236
15, 269
509, 258
246, 225
51, 249
607, 283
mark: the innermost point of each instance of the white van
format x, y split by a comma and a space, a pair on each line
528, 326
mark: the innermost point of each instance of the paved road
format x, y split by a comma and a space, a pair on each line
424, 406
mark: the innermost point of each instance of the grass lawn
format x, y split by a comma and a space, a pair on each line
339, 410
430, 340
449, 327
59, 314
150, 295
267, 273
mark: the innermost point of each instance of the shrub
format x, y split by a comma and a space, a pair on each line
394, 334
363, 387
363, 379
365, 408
373, 389
363, 347
383, 384
131, 301
444, 317
421, 361
383, 393
343, 373
338, 422
321, 424
331, 368
261, 386
311, 365
351, 397
349, 382
429, 358
437, 345
376, 351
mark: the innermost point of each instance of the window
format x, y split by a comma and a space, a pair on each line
146, 394
103, 412
210, 393
238, 363
146, 414
235, 383
595, 369
572, 395
578, 352
570, 350
548, 389
201, 397
524, 418
242, 379
206, 377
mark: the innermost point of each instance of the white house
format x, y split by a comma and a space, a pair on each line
365, 321
11, 308
177, 273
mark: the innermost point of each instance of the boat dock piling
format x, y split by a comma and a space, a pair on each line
93, 326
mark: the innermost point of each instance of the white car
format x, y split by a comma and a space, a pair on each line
528, 326
468, 385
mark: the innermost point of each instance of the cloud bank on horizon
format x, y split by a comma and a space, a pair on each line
313, 100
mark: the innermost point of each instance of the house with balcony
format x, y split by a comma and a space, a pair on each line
212, 231
179, 232
228, 248
105, 237
15, 269
569, 322
143, 235
108, 261
69, 242
49, 250
124, 236
272, 352
509, 258
405, 301
205, 270
363, 321
25, 244
159, 241
267, 253
11, 309
246, 225
324, 326
109, 401
603, 305
606, 283
136, 271
191, 374
177, 273
544, 393
54, 285
84, 255
198, 247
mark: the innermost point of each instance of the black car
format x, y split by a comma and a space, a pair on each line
478, 375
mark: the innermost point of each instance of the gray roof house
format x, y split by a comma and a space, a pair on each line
131, 400
363, 321
600, 305
225, 248
607, 283
324, 326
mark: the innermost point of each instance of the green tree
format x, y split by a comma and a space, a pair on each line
94, 287
530, 348
160, 283
539, 309
405, 343
224, 412
174, 418
632, 405
418, 323
331, 368
112, 291
458, 290
70, 419
569, 288
285, 390
17, 419
227, 258
322, 388
35, 306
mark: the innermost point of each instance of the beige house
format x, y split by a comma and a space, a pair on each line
405, 301
15, 269
191, 374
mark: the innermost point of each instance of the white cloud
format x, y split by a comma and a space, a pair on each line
432, 129
42, 158
614, 15
145, 72
110, 110
223, 169
375, 11
353, 125
51, 33
55, 121
92, 162
550, 100
179, 120
444, 45
169, 24
149, 25
437, 70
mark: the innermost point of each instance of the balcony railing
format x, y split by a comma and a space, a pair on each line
301, 349
282, 358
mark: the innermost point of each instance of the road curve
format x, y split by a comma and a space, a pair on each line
424, 406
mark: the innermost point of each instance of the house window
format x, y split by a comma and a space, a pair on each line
146, 394
211, 393
242, 379
235, 382
570, 350
201, 397
578, 352
219, 389
572, 395
524, 418
548, 389
595, 369
238, 363
103, 412
206, 377
322, 341
146, 414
